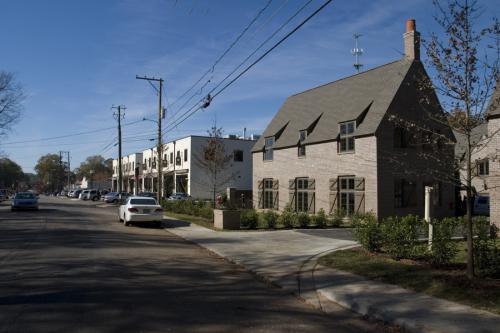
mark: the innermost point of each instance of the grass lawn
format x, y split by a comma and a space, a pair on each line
201, 221
448, 283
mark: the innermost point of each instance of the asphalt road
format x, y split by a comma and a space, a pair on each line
72, 267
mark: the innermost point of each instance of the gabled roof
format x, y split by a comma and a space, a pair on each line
364, 97
493, 110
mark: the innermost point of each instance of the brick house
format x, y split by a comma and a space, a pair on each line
485, 156
357, 145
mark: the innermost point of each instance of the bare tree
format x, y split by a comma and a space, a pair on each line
465, 60
11, 98
214, 160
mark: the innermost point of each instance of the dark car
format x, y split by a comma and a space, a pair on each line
178, 196
115, 197
24, 200
147, 194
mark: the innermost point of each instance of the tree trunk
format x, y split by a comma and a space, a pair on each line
470, 244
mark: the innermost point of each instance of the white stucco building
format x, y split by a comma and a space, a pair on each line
184, 169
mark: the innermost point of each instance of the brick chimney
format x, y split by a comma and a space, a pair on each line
411, 41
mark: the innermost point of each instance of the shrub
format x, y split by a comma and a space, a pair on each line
319, 220
368, 232
401, 236
249, 218
335, 220
287, 218
487, 248
444, 248
302, 220
270, 218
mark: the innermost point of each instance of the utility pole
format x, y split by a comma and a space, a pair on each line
118, 115
69, 169
159, 149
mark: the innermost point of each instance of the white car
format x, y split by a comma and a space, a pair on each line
140, 209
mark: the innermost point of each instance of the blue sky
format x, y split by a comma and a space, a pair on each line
76, 59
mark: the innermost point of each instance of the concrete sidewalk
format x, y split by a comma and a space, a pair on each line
288, 259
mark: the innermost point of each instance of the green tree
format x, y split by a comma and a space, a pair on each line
465, 60
51, 172
95, 168
11, 174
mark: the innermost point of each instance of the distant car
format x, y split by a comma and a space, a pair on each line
24, 200
148, 194
140, 209
83, 195
178, 196
91, 195
4, 195
76, 194
481, 205
114, 197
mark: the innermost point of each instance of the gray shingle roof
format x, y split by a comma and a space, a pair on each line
342, 100
476, 134
493, 109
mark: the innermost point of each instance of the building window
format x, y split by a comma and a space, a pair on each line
347, 195
149, 162
268, 149
178, 159
346, 141
302, 189
268, 194
238, 155
301, 151
171, 157
185, 155
483, 168
405, 193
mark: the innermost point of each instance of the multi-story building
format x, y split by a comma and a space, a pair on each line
129, 173
185, 170
367, 142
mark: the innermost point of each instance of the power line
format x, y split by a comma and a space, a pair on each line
197, 107
212, 68
69, 135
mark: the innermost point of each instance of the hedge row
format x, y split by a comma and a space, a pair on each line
269, 219
406, 238
190, 207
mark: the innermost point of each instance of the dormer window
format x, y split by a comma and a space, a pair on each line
268, 149
346, 141
302, 148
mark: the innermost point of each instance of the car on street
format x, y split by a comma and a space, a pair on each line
76, 194
140, 209
91, 195
24, 200
114, 197
83, 195
4, 195
178, 196
147, 194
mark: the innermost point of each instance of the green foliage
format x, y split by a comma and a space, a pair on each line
319, 220
249, 218
270, 218
368, 232
335, 220
190, 207
10, 173
401, 236
95, 167
444, 248
487, 248
302, 220
51, 172
288, 218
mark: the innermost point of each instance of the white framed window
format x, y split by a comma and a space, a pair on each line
346, 140
301, 151
268, 148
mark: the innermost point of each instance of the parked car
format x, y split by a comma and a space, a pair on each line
91, 195
24, 200
83, 195
178, 196
140, 209
4, 195
481, 205
76, 194
114, 197
148, 194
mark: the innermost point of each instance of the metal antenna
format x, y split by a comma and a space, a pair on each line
357, 52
